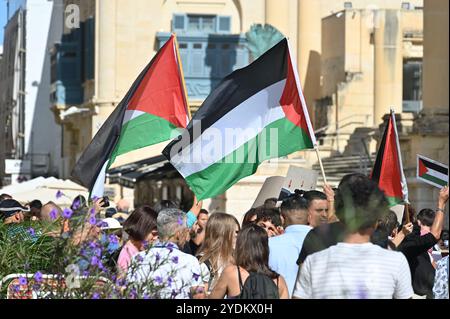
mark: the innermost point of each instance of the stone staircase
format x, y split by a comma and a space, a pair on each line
338, 166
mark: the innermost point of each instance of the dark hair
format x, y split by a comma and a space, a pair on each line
203, 211
164, 204
270, 202
140, 223
268, 214
389, 222
312, 195
248, 216
359, 202
252, 250
426, 216
294, 202
36, 204
110, 212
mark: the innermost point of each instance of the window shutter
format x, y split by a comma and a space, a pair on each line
223, 24
179, 22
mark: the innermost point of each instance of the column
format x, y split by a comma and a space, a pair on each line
309, 39
388, 71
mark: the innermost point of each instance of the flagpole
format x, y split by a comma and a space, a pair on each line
180, 66
407, 213
316, 148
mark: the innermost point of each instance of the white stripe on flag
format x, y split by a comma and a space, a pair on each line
402, 174
131, 115
251, 116
437, 174
99, 186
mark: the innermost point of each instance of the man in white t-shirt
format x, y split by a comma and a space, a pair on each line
355, 268
164, 271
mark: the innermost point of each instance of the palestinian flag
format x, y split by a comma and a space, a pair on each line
256, 113
388, 169
432, 172
152, 111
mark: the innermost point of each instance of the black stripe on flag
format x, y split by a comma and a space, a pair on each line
237, 87
434, 166
99, 150
376, 172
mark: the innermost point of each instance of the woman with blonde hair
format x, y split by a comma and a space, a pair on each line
216, 252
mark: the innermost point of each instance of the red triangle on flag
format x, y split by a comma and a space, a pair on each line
422, 168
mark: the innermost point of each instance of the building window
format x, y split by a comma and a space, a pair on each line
412, 86
348, 5
201, 23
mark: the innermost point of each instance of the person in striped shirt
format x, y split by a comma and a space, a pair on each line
356, 268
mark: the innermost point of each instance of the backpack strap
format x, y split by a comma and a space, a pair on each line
241, 285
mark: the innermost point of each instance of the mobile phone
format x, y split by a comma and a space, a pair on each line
105, 201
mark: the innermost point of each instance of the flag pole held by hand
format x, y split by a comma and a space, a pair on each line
316, 148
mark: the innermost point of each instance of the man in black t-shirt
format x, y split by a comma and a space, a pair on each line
415, 246
320, 238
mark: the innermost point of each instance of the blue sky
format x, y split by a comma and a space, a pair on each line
2, 19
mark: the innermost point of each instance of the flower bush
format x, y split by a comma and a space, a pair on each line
72, 259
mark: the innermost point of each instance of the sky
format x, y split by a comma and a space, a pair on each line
2, 19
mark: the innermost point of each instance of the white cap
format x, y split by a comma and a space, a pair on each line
111, 223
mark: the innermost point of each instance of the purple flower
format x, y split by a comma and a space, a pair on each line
86, 273
95, 198
22, 281
92, 220
175, 259
31, 231
67, 213
139, 258
16, 288
59, 194
158, 280
180, 221
94, 261
96, 296
53, 214
98, 252
113, 239
146, 296
157, 257
38, 276
195, 276
92, 244
169, 281
92, 211
174, 293
76, 204
36, 287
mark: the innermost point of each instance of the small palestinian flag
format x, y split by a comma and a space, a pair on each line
388, 168
256, 113
154, 110
432, 172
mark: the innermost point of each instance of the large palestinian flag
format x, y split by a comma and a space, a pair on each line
432, 172
388, 169
256, 113
153, 111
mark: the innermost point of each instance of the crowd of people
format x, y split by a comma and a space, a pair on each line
339, 243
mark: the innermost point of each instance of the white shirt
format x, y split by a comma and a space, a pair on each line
354, 271
169, 269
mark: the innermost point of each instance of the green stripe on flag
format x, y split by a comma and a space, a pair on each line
434, 179
394, 201
142, 131
220, 176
